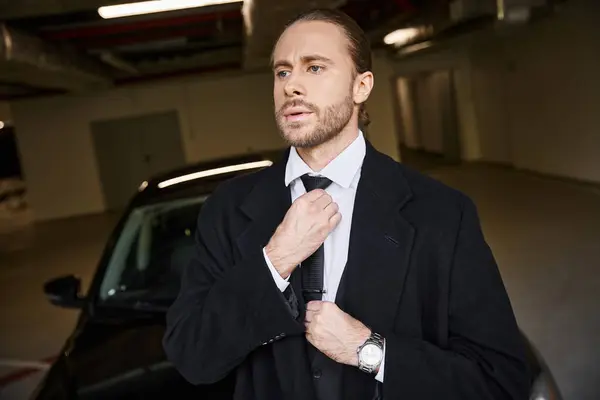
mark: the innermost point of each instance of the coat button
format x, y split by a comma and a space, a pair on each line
317, 373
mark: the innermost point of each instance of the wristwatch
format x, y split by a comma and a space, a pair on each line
370, 353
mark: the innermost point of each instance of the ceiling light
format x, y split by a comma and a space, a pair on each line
401, 36
215, 171
156, 6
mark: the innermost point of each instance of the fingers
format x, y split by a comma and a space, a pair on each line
312, 308
318, 200
308, 320
334, 220
310, 339
309, 316
331, 209
314, 305
323, 201
314, 195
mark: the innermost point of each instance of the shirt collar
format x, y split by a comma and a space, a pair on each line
340, 170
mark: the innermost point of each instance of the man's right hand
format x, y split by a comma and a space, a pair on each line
304, 228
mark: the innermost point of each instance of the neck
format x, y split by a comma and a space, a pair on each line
319, 156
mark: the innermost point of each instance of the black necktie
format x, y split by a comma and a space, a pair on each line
313, 266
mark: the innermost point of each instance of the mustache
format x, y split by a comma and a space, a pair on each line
297, 103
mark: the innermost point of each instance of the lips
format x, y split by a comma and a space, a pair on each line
297, 117
296, 111
294, 114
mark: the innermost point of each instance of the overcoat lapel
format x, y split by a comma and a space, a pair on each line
380, 244
381, 241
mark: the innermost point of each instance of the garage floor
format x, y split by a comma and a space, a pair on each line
545, 235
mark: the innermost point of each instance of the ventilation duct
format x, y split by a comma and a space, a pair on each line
503, 10
30, 61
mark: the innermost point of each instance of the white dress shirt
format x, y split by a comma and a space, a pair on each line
344, 172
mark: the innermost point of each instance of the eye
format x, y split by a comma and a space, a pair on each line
315, 69
281, 74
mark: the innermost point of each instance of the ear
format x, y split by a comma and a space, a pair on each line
363, 84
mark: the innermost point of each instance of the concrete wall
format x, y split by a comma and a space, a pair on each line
528, 98
219, 115
490, 92
538, 94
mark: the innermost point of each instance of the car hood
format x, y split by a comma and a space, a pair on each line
120, 355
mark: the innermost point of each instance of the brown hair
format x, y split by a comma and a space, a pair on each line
358, 43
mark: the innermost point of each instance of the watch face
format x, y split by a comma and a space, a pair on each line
371, 354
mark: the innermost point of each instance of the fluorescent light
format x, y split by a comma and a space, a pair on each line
215, 171
401, 36
155, 6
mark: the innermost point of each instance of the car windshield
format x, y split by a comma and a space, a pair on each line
155, 244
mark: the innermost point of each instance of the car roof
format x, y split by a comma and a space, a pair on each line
203, 177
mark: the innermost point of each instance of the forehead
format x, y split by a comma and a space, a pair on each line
312, 37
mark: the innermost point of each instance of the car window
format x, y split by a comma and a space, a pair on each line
155, 244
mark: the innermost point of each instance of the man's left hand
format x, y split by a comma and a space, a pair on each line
333, 332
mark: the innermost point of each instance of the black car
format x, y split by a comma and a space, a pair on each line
115, 351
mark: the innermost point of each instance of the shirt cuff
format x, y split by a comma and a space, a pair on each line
281, 283
379, 375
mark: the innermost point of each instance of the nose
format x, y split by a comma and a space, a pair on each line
293, 87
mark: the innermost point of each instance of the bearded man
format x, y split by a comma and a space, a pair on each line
338, 273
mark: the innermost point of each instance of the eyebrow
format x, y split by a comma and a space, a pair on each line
305, 60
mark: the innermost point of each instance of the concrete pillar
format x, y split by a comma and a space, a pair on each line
5, 114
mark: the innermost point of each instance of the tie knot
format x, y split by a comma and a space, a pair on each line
315, 182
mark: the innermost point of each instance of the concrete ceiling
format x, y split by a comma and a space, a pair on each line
63, 45
263, 20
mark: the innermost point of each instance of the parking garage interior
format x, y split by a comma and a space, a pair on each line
498, 99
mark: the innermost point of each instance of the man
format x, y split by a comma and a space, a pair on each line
339, 273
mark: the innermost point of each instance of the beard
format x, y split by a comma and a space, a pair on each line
331, 120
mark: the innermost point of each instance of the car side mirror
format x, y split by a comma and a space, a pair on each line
64, 291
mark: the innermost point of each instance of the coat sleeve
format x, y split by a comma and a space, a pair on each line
223, 310
485, 355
